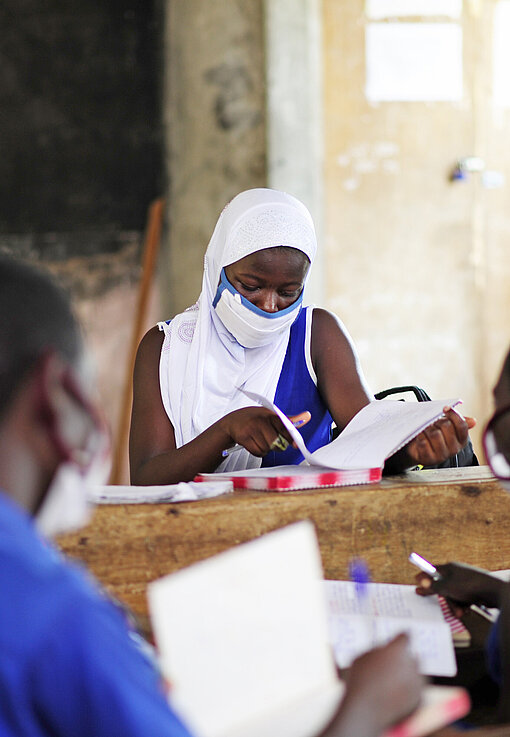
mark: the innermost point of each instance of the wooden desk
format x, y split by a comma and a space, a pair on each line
460, 514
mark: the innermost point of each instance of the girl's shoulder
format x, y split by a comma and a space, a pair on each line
329, 335
150, 346
327, 322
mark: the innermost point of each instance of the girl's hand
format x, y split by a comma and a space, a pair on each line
446, 437
257, 429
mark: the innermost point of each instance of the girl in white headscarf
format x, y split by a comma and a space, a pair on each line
249, 330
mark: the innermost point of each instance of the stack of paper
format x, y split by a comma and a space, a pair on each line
182, 492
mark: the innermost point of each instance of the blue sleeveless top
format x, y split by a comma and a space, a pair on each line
297, 392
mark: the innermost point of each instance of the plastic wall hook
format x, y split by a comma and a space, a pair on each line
458, 173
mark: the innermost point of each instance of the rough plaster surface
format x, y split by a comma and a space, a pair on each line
417, 266
105, 291
213, 109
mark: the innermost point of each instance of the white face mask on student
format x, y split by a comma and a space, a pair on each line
249, 325
67, 505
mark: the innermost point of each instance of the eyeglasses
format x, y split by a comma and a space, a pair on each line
496, 443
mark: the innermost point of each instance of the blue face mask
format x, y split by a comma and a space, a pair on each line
251, 326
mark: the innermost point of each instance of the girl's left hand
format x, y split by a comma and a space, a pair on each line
446, 437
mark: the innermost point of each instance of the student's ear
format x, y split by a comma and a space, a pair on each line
62, 418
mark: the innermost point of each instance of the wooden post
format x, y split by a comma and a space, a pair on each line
150, 253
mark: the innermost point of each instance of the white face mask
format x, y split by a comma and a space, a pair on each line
251, 326
67, 504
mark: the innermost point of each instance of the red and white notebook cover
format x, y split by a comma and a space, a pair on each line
293, 478
441, 705
460, 633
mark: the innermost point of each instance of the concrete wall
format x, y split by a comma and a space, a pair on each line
417, 265
214, 118
294, 117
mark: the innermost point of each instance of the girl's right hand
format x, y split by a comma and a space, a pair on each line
257, 428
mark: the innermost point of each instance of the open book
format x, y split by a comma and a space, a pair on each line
357, 455
243, 640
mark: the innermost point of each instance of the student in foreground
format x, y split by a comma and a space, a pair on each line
249, 330
464, 585
69, 666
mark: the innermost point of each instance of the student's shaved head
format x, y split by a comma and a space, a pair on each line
35, 316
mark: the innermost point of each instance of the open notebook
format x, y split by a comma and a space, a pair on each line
356, 456
358, 624
243, 640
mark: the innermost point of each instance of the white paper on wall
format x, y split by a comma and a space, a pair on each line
413, 8
501, 54
413, 62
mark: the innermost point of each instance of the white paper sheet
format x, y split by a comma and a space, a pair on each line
374, 434
183, 492
413, 62
379, 430
243, 639
501, 54
388, 609
413, 8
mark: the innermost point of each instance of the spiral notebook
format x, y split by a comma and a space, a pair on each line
356, 456
293, 478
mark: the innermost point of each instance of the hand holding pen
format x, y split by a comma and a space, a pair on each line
279, 442
464, 586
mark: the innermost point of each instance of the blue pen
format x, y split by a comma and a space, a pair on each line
360, 575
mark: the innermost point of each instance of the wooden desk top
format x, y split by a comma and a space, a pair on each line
459, 514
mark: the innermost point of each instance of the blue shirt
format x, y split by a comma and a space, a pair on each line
297, 391
493, 653
68, 665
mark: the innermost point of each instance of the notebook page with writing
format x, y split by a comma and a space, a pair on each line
243, 639
386, 610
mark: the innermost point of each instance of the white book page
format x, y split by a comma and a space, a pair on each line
357, 625
295, 434
379, 430
244, 634
269, 472
376, 432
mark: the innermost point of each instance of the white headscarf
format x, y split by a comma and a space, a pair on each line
201, 363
